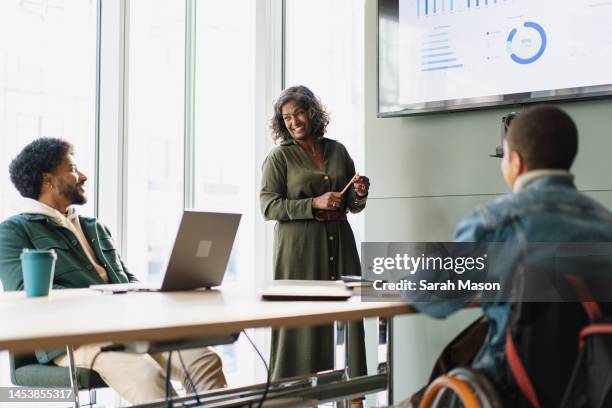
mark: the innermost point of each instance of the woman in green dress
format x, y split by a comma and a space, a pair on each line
303, 177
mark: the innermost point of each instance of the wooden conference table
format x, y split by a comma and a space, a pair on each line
74, 317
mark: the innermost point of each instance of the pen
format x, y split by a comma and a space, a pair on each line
348, 184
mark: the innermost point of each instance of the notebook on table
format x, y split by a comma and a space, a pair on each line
306, 290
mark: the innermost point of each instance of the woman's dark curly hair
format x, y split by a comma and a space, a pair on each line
319, 118
43, 155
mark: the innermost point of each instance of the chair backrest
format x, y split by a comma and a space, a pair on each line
20, 360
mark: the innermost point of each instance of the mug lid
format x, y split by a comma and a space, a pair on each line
28, 251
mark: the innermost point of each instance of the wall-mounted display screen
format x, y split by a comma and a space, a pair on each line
461, 54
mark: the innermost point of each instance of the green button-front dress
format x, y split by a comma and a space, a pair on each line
305, 248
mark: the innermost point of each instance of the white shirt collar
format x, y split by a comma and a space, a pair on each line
31, 206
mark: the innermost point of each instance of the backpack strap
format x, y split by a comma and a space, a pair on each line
598, 328
592, 308
518, 371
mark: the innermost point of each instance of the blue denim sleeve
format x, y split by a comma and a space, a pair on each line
438, 309
470, 229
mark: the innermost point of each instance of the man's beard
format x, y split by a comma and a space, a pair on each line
72, 193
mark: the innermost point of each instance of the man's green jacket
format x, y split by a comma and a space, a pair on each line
72, 269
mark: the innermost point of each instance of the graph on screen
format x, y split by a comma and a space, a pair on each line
442, 53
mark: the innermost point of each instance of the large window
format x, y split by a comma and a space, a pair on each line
155, 132
220, 168
47, 83
225, 121
224, 139
328, 58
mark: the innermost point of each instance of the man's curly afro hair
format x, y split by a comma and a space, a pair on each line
43, 155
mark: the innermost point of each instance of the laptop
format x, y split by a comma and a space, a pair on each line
199, 256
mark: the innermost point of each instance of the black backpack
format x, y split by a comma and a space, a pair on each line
591, 383
560, 354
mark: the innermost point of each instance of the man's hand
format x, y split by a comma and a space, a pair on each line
327, 201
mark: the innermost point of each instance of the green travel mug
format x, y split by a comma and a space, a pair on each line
38, 267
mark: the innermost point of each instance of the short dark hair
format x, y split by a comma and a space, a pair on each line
319, 118
43, 155
545, 136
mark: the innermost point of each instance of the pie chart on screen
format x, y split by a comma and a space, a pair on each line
524, 49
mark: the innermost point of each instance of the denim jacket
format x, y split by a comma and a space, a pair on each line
547, 209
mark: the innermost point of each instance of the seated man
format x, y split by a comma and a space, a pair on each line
545, 206
46, 175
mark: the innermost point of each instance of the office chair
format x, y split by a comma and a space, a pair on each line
26, 371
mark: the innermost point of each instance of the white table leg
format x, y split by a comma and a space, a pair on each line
341, 356
385, 357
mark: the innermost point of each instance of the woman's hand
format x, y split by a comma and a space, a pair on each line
327, 201
361, 184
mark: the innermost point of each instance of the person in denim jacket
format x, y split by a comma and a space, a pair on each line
544, 206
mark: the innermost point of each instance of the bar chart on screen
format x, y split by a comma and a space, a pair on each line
437, 52
430, 8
